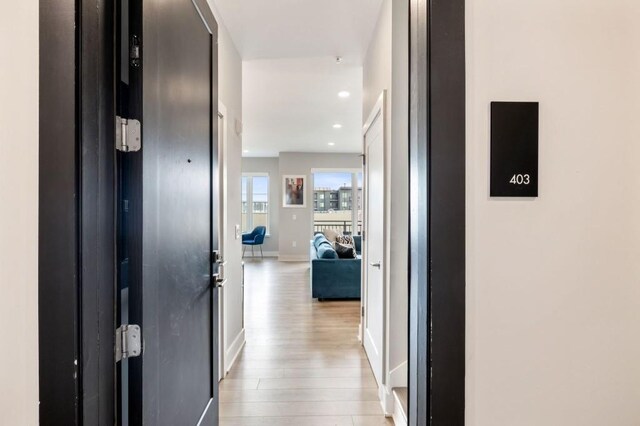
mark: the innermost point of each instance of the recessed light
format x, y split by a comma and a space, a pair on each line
344, 94
337, 126
245, 151
332, 143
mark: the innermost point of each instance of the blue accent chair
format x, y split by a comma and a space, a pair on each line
254, 238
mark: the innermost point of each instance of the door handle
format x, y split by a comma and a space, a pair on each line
375, 264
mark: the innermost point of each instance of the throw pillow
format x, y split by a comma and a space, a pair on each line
345, 239
345, 251
331, 235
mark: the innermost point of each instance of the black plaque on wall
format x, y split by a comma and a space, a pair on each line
514, 149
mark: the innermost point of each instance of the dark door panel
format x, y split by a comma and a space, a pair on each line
171, 291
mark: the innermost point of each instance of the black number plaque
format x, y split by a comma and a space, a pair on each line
514, 149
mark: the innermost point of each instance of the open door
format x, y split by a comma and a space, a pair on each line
169, 221
373, 297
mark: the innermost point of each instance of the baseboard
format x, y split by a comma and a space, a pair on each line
234, 350
293, 258
386, 400
247, 254
399, 414
397, 378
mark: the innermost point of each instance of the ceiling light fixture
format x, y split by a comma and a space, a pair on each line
337, 126
344, 94
332, 143
245, 151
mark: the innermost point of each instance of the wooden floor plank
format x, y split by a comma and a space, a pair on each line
319, 383
296, 395
315, 408
288, 421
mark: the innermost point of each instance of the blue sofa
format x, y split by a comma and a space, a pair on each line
333, 278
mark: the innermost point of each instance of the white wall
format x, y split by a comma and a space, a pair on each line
19, 213
230, 95
553, 283
376, 72
269, 165
386, 68
300, 229
399, 198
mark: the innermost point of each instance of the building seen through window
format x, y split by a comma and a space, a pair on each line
333, 202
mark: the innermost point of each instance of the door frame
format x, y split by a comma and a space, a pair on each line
223, 184
76, 279
378, 110
437, 103
76, 213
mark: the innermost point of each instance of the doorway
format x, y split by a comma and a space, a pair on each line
434, 397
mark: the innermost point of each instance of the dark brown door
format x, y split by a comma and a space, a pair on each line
170, 223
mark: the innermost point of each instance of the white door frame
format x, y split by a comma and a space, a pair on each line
223, 185
379, 109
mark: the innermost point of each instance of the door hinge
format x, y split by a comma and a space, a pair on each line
134, 51
128, 341
128, 134
362, 311
364, 159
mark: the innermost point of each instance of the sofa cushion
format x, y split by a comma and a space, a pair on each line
345, 251
326, 251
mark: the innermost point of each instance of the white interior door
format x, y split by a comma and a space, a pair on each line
373, 321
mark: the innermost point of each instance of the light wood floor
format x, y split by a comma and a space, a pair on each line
302, 363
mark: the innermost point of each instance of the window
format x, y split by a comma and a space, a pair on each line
245, 221
255, 201
334, 207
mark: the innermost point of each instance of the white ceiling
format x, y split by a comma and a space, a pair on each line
290, 79
291, 105
299, 28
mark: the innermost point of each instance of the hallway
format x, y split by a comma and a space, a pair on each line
302, 363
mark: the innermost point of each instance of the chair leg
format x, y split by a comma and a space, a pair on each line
261, 254
252, 253
244, 248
